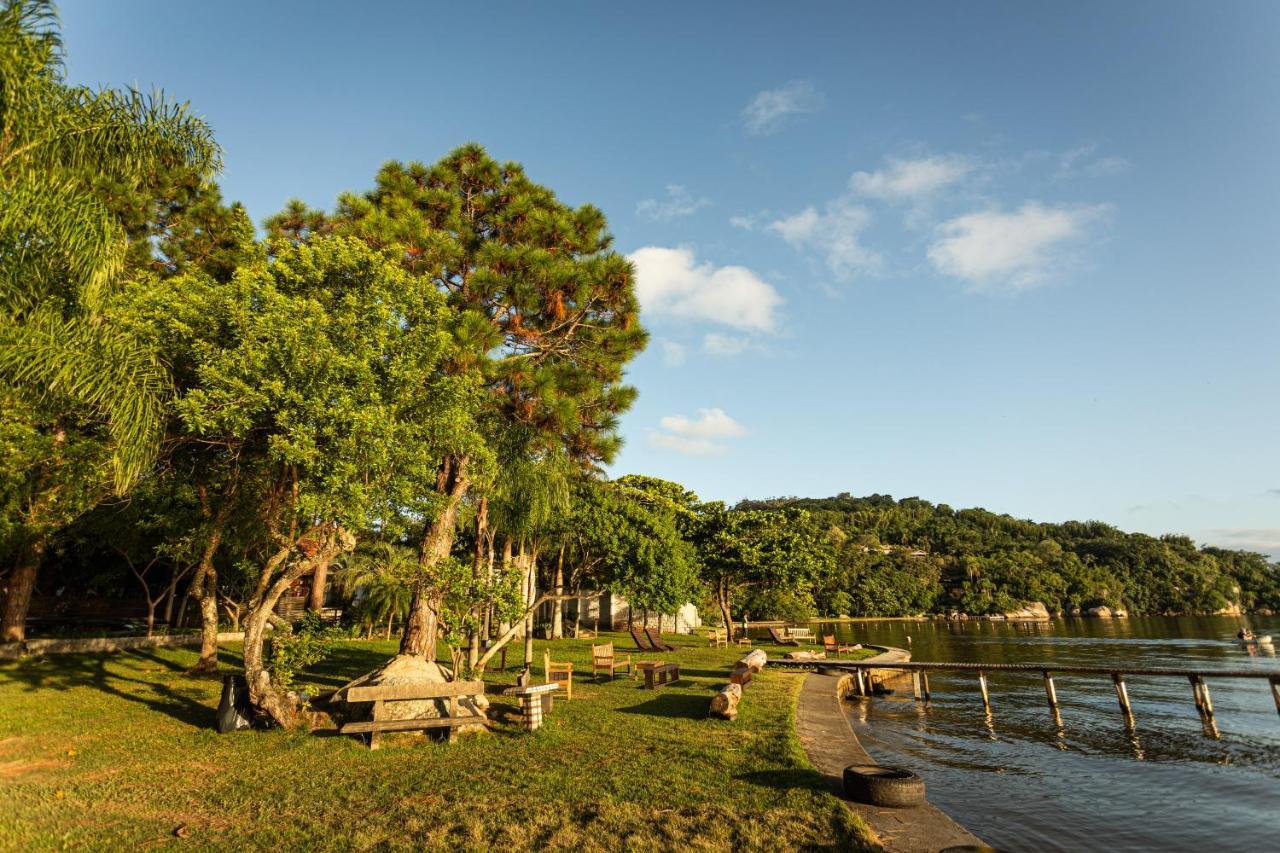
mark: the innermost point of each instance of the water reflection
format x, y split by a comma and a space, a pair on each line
1025, 779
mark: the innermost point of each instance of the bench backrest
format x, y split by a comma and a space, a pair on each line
829, 641
602, 653
392, 692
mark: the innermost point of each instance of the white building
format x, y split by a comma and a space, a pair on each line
605, 611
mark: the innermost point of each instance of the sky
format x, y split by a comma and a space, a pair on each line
1009, 255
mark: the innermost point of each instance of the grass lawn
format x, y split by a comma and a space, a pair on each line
109, 751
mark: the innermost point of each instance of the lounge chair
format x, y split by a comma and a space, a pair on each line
641, 641
781, 640
604, 659
659, 643
831, 647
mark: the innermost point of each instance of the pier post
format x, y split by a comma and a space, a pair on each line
986, 698
1195, 693
1050, 692
924, 681
915, 684
1275, 692
1122, 693
862, 683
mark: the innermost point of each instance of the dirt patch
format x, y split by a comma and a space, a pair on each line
10, 770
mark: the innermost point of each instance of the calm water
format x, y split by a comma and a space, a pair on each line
1021, 783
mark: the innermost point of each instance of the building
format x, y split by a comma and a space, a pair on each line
606, 611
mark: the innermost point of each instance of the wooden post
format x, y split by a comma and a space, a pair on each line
862, 683
1205, 700
1195, 693
982, 682
1050, 692
1275, 692
1122, 693
924, 680
915, 684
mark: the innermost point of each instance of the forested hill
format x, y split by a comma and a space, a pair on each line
912, 556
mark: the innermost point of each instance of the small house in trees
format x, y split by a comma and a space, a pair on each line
606, 611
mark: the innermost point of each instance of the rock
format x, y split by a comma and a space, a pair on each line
1231, 610
1035, 611
1102, 611
408, 669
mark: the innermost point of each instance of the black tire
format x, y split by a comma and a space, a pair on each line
889, 787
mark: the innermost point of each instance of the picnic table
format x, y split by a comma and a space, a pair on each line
535, 702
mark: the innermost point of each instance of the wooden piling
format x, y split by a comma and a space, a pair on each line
1050, 692
862, 683
982, 683
1122, 693
1195, 693
1205, 699
915, 685
1275, 692
924, 681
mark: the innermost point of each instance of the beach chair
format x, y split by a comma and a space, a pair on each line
781, 640
641, 641
658, 643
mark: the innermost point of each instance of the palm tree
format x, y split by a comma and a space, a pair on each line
381, 573
66, 368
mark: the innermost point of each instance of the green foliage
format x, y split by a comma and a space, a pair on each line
910, 556
292, 652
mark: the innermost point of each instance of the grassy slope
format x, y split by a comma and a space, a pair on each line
116, 750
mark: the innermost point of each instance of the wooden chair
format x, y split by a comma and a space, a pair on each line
781, 640
831, 647
558, 671
717, 637
658, 643
604, 659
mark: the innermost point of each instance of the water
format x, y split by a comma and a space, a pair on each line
1022, 783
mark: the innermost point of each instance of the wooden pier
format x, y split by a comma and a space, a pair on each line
863, 681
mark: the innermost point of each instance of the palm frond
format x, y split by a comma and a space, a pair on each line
105, 371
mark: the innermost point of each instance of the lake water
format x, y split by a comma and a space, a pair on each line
1020, 782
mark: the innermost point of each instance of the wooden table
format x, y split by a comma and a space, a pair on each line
658, 673
535, 702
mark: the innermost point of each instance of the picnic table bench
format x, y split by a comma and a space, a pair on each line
536, 701
658, 673
381, 694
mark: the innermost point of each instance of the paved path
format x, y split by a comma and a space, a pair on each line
829, 741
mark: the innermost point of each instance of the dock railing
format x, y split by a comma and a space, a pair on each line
863, 673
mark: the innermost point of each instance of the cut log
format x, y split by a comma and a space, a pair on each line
741, 675
755, 661
725, 703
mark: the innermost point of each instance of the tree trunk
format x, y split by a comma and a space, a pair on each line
204, 587
478, 612
557, 612
437, 541
505, 625
390, 616
22, 583
318, 582
530, 559
170, 595
722, 598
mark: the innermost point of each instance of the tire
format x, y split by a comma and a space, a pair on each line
889, 787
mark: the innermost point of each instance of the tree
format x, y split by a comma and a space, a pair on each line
318, 381
751, 548
546, 312
83, 402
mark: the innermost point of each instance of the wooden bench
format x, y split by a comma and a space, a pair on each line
658, 674
718, 637
380, 695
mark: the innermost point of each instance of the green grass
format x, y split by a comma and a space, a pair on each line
110, 751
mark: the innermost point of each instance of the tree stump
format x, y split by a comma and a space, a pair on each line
725, 703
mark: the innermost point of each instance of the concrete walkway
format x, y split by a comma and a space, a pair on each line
830, 743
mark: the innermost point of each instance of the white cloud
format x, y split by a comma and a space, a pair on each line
996, 250
746, 223
673, 354
699, 436
770, 109
679, 202
671, 282
724, 345
834, 234
911, 180
1081, 160
1263, 540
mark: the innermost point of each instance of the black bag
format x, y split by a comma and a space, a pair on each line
234, 711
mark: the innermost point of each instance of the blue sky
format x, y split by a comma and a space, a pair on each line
1007, 255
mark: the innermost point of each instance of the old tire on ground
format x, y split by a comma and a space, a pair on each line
890, 787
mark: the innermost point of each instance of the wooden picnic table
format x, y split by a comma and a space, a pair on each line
535, 702
658, 673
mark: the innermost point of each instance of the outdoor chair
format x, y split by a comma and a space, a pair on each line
781, 640
830, 646
558, 671
658, 643
641, 641
604, 659
718, 637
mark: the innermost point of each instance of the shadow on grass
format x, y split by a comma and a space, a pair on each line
786, 780
74, 671
674, 705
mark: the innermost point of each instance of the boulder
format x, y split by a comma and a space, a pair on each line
1035, 611
1102, 611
